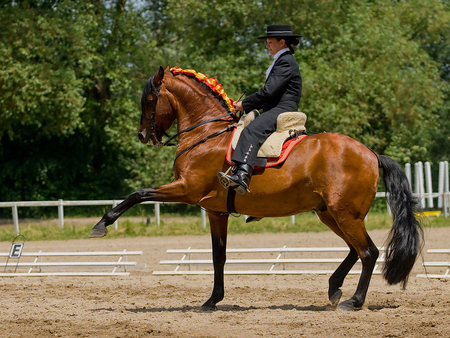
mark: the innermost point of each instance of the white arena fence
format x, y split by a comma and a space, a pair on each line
437, 266
422, 188
39, 264
318, 261
61, 204
249, 259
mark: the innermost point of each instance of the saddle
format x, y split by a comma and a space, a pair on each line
290, 126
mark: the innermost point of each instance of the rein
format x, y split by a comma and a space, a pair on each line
198, 125
217, 133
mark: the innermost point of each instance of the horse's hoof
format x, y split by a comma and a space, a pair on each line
334, 299
98, 231
348, 306
208, 308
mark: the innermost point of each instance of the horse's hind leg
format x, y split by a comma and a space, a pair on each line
357, 236
219, 227
337, 278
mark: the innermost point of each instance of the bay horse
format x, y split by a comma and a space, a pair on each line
329, 173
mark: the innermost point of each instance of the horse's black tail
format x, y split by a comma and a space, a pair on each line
405, 239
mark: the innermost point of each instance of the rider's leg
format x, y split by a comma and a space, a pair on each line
247, 148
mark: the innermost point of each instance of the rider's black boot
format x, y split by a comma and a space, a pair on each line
251, 219
240, 179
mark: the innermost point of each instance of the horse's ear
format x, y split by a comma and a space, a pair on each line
168, 67
157, 81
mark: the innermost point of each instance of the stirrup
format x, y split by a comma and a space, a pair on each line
223, 179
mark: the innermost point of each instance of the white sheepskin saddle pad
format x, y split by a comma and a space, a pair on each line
286, 124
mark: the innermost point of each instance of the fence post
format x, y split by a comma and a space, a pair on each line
116, 222
61, 213
203, 213
157, 214
15, 218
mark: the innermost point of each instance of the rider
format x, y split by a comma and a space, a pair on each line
281, 93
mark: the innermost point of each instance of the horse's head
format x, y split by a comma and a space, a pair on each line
156, 110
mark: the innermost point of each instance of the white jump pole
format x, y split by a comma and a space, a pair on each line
429, 185
446, 190
418, 174
408, 174
441, 185
446, 176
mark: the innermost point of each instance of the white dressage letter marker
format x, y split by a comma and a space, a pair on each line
16, 250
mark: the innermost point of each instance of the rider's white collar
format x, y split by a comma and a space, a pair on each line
275, 58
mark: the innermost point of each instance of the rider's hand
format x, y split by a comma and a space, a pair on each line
238, 106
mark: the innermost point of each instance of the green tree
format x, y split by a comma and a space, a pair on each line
70, 78
71, 75
367, 75
367, 72
44, 56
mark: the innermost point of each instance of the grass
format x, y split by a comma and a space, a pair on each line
176, 225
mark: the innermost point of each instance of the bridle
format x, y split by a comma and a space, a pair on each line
154, 127
151, 121
217, 133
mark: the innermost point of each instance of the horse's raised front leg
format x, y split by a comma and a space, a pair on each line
219, 227
173, 192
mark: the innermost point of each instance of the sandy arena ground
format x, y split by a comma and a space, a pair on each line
145, 305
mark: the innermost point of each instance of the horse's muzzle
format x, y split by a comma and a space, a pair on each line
142, 137
148, 138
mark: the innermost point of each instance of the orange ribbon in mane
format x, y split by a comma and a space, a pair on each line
210, 82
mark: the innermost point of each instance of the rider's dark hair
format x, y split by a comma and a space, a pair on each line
290, 41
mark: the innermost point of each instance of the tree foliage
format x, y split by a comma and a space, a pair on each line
71, 74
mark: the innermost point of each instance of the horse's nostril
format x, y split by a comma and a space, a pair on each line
140, 136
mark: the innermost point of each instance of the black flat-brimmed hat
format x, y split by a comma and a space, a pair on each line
279, 31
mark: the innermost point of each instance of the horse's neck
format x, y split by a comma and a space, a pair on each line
195, 104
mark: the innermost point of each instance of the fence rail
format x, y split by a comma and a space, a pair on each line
426, 198
62, 203
68, 263
280, 265
437, 265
